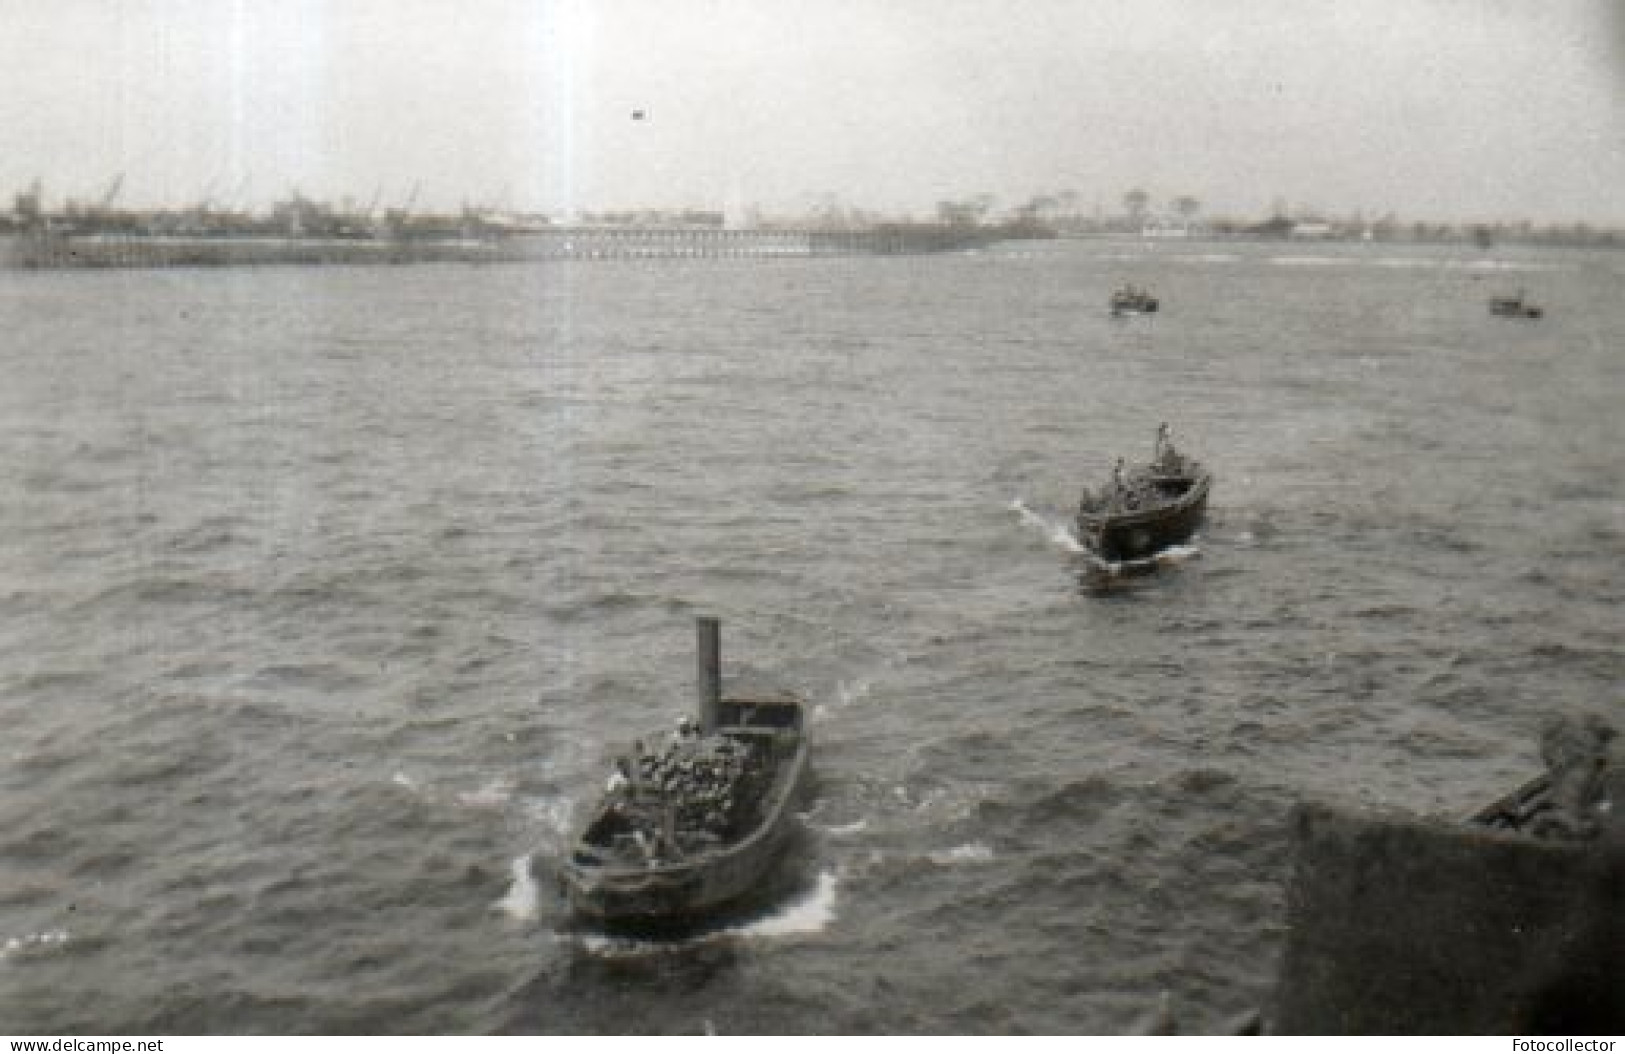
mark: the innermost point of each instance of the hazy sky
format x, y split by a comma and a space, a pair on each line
1455, 109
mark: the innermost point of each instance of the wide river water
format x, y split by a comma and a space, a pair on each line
326, 595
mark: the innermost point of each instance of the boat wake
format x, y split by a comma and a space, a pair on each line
552, 817
548, 821
1172, 556
846, 693
972, 853
808, 914
1059, 535
494, 795
522, 902
33, 943
1104, 576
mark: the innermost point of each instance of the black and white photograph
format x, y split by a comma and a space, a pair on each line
909, 518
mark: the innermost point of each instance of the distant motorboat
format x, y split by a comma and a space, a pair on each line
1515, 307
1143, 511
1132, 300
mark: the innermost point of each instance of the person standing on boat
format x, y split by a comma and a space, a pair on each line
687, 728
620, 781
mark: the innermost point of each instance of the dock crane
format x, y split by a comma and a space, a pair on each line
395, 220
30, 203
106, 202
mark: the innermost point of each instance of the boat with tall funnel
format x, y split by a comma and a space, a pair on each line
692, 822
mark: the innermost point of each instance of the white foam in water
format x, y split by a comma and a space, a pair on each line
1178, 554
610, 947
521, 902
492, 795
847, 694
1174, 554
811, 914
33, 942
1311, 261
807, 915
841, 830
973, 853
553, 815
1059, 535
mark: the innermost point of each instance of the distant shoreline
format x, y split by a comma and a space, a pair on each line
59, 251
119, 250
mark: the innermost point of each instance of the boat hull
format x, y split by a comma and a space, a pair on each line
692, 890
1142, 533
677, 895
1515, 309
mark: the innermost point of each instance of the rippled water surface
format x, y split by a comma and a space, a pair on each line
328, 593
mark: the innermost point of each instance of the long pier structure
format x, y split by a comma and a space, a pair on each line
46, 249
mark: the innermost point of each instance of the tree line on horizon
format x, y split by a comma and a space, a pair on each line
1058, 214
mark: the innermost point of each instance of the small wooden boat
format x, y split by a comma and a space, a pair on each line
691, 826
1140, 513
1514, 307
1132, 300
